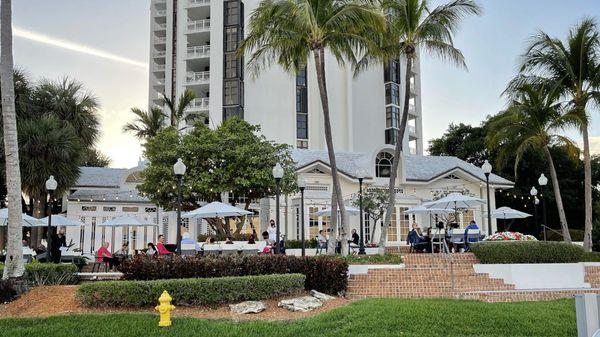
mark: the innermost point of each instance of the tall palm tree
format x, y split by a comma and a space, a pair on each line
414, 27
147, 124
68, 100
177, 111
533, 120
14, 267
573, 67
290, 32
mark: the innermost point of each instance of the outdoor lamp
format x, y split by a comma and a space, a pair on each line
277, 171
360, 175
179, 168
277, 174
302, 186
533, 191
542, 180
51, 185
487, 169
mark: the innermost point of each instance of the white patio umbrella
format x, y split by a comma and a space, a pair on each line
455, 201
428, 211
216, 209
61, 221
327, 211
126, 221
28, 221
508, 213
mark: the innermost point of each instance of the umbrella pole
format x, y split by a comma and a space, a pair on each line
113, 237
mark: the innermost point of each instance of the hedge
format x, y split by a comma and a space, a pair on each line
297, 244
527, 252
40, 274
189, 292
326, 274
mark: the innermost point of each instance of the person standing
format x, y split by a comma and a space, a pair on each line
272, 230
59, 240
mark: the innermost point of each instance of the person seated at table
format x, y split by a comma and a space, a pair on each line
25, 243
471, 227
160, 246
123, 253
355, 238
453, 242
321, 240
266, 237
229, 240
187, 240
104, 255
151, 250
251, 240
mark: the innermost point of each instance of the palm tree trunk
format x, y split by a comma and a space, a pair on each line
13, 267
332, 242
559, 204
587, 190
319, 55
397, 153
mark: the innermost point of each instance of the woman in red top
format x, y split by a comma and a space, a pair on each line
160, 246
104, 255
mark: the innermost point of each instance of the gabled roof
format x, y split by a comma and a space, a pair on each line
416, 168
113, 195
106, 177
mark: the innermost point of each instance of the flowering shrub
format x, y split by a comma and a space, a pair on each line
510, 236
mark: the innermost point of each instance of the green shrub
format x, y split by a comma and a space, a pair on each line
527, 252
39, 274
373, 259
576, 235
327, 274
189, 292
297, 244
591, 257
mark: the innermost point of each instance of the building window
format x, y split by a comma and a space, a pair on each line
404, 222
392, 234
313, 222
109, 208
367, 228
301, 109
392, 117
297, 209
231, 39
390, 136
165, 227
232, 92
233, 112
392, 94
467, 216
302, 126
383, 164
88, 208
232, 66
302, 144
131, 209
232, 12
392, 71
150, 209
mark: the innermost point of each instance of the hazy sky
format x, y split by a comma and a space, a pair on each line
104, 44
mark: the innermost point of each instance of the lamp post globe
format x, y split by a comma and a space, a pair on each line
278, 175
179, 169
533, 191
360, 175
302, 185
543, 181
51, 185
487, 169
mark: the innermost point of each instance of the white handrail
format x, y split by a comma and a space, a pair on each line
198, 51
199, 76
199, 25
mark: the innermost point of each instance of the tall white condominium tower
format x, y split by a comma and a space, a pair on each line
193, 46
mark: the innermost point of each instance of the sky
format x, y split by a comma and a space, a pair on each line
104, 45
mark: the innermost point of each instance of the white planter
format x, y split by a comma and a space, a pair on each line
538, 276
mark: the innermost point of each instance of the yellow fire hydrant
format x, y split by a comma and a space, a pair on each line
164, 309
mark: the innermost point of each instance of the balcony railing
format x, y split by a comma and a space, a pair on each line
198, 77
412, 129
194, 3
159, 67
411, 108
160, 26
199, 104
160, 53
160, 40
161, 12
159, 82
198, 25
198, 51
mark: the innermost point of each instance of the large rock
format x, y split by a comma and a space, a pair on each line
248, 307
304, 304
320, 296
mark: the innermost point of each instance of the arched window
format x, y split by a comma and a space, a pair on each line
383, 164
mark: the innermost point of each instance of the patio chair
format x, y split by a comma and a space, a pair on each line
416, 245
472, 237
457, 240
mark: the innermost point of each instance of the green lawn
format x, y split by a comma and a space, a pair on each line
375, 317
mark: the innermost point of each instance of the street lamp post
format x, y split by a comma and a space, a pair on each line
277, 174
534, 193
302, 186
487, 169
51, 185
361, 175
543, 181
179, 170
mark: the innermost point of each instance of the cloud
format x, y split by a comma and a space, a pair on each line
594, 144
76, 47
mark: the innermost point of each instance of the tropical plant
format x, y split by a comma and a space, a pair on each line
375, 201
289, 32
95, 158
533, 120
177, 110
14, 267
414, 28
147, 123
573, 68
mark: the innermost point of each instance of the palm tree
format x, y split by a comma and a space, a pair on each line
14, 267
289, 32
533, 120
147, 124
418, 28
69, 101
177, 111
574, 68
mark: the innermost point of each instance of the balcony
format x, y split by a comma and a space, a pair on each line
199, 77
161, 12
159, 40
160, 26
159, 67
198, 26
199, 104
198, 3
412, 150
411, 109
198, 51
159, 54
412, 129
159, 82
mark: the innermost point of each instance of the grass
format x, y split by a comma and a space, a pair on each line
373, 317
591, 257
373, 259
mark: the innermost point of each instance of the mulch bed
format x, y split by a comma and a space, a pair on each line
60, 300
